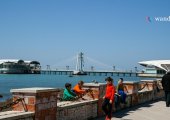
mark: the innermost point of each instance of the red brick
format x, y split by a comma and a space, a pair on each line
30, 108
31, 100
34, 101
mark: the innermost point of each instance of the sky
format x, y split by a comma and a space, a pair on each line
117, 33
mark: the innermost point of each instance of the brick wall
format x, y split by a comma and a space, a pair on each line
98, 90
79, 110
42, 101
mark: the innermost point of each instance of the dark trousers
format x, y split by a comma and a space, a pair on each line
167, 98
107, 107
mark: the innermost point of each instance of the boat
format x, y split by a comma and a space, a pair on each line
70, 75
14, 66
79, 72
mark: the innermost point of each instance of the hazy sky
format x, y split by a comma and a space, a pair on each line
113, 32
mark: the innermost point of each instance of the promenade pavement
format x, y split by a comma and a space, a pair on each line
156, 110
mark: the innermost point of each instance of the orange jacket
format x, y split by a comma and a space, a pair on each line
78, 90
110, 92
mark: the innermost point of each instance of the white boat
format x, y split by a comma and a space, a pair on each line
11, 66
75, 72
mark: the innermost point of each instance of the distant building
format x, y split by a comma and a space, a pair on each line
156, 66
11, 66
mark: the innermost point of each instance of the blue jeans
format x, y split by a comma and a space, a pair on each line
123, 95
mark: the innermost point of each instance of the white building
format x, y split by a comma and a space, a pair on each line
156, 66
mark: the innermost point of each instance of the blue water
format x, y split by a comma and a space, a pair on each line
12, 81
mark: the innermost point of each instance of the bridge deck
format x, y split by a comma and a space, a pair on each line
149, 111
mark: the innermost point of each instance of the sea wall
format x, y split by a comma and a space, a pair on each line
79, 110
43, 103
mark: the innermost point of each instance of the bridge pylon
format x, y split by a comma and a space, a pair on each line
79, 65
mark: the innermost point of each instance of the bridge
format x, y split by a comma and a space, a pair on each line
80, 69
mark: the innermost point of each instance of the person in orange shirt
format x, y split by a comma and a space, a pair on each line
78, 89
108, 98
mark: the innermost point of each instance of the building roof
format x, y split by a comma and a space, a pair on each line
8, 60
161, 64
16, 61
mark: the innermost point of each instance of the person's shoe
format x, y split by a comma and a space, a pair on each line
106, 117
109, 117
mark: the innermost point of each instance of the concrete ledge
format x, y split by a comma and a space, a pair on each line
33, 90
145, 91
149, 75
93, 84
71, 104
148, 80
130, 82
16, 115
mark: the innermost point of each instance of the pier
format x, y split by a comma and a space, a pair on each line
90, 73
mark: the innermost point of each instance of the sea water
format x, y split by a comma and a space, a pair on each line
14, 81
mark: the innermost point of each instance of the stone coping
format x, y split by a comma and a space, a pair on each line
33, 90
93, 84
131, 82
145, 91
148, 80
71, 104
15, 115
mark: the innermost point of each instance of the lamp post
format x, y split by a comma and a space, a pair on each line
136, 69
67, 67
92, 68
48, 67
113, 67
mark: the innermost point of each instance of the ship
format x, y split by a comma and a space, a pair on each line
19, 66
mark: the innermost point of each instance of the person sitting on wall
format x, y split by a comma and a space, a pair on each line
78, 89
68, 94
120, 90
